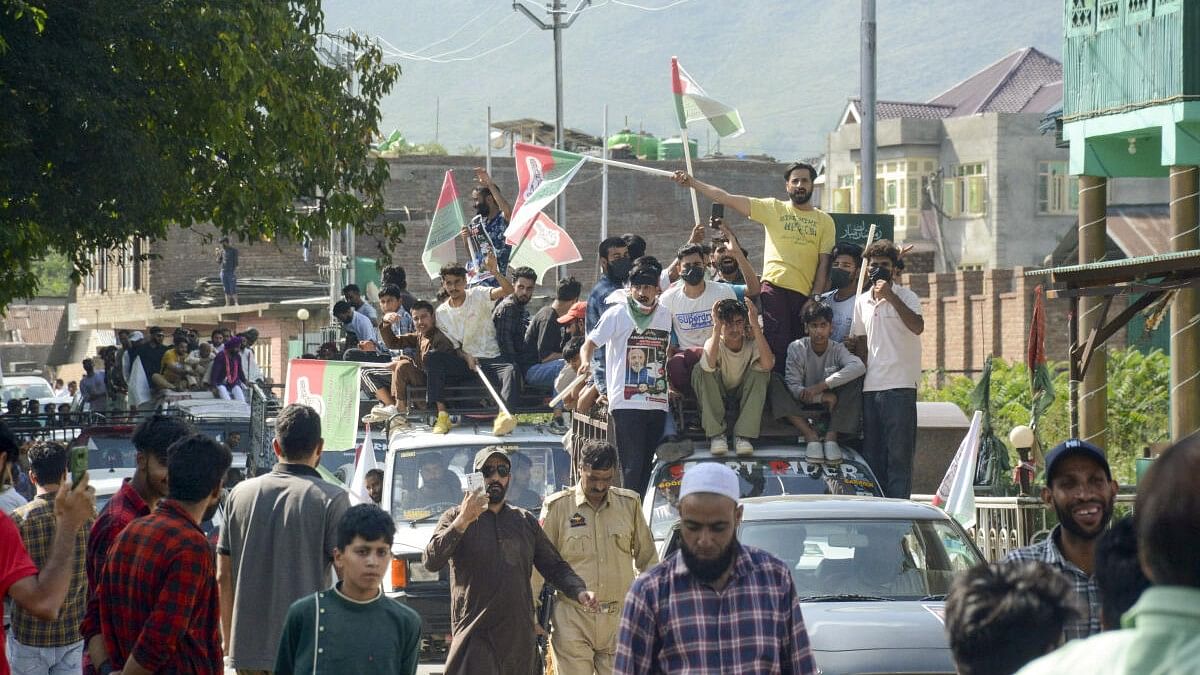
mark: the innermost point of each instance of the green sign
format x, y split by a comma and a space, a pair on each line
853, 227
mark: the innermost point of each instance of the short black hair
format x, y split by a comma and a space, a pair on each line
394, 274
429, 457
155, 434
1118, 572
882, 248
719, 240
422, 304
636, 244
47, 461
452, 270
391, 291
1168, 516
729, 308
482, 191
218, 331
515, 458
690, 249
610, 243
1002, 615
568, 290
196, 465
367, 521
341, 307
847, 248
351, 288
598, 455
572, 348
375, 473
523, 273
787, 173
816, 311
298, 430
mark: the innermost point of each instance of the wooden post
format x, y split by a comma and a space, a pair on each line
1092, 393
1185, 308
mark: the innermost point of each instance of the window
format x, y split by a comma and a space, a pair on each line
843, 196
128, 270
892, 195
1058, 192
964, 192
262, 356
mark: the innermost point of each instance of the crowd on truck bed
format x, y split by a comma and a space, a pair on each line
797, 342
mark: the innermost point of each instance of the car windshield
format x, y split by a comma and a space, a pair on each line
849, 559
760, 477
29, 390
428, 481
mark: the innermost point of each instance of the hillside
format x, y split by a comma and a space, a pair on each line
789, 66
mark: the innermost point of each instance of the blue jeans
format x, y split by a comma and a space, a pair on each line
543, 374
23, 659
890, 438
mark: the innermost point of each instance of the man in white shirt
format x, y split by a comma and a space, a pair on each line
691, 306
843, 279
466, 318
889, 319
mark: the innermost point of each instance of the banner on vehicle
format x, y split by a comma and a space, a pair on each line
330, 388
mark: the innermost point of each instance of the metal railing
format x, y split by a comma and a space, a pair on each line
1006, 523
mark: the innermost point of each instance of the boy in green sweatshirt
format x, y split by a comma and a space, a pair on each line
353, 627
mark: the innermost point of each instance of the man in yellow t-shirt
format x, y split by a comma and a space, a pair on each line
796, 251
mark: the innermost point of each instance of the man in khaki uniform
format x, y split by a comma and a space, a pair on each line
600, 531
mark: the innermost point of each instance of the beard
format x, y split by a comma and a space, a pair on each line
708, 569
496, 492
800, 197
728, 266
1070, 525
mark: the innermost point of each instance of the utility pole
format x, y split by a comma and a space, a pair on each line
557, 25
867, 125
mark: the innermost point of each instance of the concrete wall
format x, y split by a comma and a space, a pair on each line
1025, 237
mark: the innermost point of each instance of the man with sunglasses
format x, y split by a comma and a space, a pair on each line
492, 548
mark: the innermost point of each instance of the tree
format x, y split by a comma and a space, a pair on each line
123, 119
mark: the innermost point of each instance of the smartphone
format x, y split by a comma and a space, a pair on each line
475, 482
718, 211
78, 463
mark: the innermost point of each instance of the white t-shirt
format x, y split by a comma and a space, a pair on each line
692, 318
470, 325
893, 351
635, 361
843, 314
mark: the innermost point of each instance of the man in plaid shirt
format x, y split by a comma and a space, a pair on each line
37, 645
715, 606
159, 610
1080, 487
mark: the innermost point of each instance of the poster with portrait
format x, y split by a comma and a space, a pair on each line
645, 366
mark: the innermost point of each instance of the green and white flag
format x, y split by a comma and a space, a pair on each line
693, 105
330, 388
448, 222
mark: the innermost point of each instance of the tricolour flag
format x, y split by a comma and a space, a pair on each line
330, 388
365, 463
956, 494
542, 174
693, 105
447, 223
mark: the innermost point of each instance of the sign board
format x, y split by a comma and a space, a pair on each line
853, 227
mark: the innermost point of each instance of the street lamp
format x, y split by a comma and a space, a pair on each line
302, 315
1022, 438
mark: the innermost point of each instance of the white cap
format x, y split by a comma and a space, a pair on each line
712, 478
136, 335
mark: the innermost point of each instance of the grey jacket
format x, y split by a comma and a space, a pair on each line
835, 367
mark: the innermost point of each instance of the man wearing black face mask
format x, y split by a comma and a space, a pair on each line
615, 264
690, 304
492, 212
843, 279
888, 323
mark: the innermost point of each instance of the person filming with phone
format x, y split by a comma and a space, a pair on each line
886, 333
492, 548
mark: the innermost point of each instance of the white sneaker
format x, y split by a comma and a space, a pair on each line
380, 413
718, 445
833, 452
815, 453
742, 447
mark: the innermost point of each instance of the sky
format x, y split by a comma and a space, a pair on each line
789, 67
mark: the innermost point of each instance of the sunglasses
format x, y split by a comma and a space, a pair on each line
489, 471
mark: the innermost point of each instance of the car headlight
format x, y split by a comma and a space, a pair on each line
418, 574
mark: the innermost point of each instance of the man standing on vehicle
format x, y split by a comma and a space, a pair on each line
491, 562
288, 514
843, 282
93, 392
602, 534
1080, 488
715, 605
796, 250
466, 318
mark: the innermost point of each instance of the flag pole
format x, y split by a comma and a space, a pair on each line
687, 159
635, 167
862, 269
604, 179
487, 141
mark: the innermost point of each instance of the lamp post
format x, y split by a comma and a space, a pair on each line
1023, 439
302, 315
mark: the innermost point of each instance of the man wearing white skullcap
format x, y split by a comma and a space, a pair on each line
717, 592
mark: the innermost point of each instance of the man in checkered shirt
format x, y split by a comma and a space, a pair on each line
1080, 487
715, 606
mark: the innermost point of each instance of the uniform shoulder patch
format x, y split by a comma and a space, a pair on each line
557, 496
627, 493
577, 520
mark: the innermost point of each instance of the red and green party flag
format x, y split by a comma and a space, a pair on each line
545, 245
542, 174
1041, 384
447, 223
330, 388
693, 105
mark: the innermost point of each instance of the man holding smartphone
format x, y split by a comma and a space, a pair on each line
796, 252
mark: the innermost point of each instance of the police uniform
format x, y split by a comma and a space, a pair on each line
603, 545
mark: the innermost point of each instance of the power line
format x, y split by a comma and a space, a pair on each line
648, 9
442, 57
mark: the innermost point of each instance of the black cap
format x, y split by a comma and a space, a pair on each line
1074, 446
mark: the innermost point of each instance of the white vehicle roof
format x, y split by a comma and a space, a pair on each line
421, 436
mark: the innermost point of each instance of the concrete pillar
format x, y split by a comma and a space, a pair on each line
1185, 308
1092, 392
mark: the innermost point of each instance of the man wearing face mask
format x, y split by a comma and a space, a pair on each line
690, 304
615, 264
635, 336
492, 212
886, 332
843, 280
492, 548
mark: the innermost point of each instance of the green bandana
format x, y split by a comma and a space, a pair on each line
640, 318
